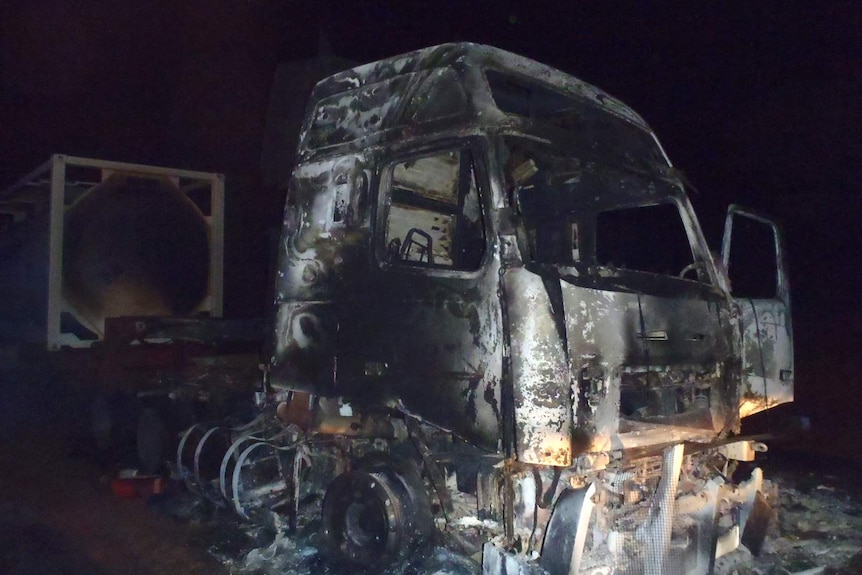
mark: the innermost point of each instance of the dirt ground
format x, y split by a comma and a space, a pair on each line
58, 515
818, 525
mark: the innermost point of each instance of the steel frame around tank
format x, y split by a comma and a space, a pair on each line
55, 170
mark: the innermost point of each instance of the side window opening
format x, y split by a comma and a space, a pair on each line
435, 217
753, 269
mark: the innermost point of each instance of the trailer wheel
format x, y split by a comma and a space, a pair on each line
151, 441
373, 518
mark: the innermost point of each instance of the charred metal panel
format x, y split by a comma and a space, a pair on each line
326, 230
767, 356
762, 293
322, 269
442, 338
424, 340
644, 360
305, 346
438, 317
540, 374
600, 336
441, 87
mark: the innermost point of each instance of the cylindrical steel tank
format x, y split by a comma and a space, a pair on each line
134, 246
86, 240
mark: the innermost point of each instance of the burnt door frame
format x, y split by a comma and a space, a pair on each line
441, 326
766, 325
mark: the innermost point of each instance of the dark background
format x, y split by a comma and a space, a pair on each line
757, 103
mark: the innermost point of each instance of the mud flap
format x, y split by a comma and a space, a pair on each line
699, 512
567, 531
754, 516
757, 524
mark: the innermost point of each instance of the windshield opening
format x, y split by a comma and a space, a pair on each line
643, 238
599, 219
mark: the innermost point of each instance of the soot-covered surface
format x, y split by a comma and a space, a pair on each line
58, 515
817, 500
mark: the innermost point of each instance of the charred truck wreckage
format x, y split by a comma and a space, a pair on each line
497, 322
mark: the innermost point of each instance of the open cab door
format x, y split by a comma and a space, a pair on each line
754, 259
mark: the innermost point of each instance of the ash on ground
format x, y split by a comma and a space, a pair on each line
817, 529
817, 526
245, 549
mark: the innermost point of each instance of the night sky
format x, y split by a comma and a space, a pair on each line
757, 103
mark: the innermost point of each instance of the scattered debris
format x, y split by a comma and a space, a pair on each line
834, 515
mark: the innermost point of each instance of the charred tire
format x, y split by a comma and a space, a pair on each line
374, 518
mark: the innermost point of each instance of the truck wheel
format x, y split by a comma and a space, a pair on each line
374, 518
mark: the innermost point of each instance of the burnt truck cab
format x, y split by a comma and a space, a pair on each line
495, 264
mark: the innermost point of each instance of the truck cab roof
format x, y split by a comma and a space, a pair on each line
455, 87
